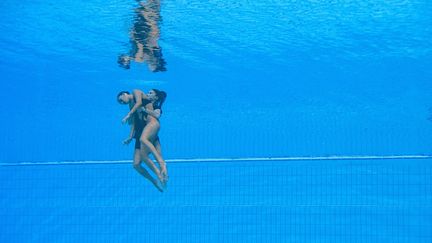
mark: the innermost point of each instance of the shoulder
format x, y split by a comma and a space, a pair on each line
137, 91
138, 94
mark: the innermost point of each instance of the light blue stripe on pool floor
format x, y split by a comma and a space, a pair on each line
251, 159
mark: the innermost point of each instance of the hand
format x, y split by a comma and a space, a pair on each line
127, 141
125, 119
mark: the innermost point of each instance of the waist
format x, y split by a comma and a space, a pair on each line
151, 119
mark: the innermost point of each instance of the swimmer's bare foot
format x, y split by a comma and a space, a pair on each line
161, 180
157, 185
160, 187
164, 174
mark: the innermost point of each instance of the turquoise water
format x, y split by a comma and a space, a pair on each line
244, 79
296, 201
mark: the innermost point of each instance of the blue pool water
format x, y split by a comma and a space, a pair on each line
253, 79
260, 201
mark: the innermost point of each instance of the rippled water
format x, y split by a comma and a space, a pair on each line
244, 78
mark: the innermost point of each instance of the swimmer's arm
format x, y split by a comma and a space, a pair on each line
129, 139
154, 113
138, 101
132, 130
138, 94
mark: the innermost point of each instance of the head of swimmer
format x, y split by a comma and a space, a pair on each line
124, 97
157, 97
124, 61
154, 95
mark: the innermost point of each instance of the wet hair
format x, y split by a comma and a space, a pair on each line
121, 93
161, 95
123, 61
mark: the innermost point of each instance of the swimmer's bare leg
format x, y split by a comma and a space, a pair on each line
149, 162
149, 132
137, 166
162, 167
